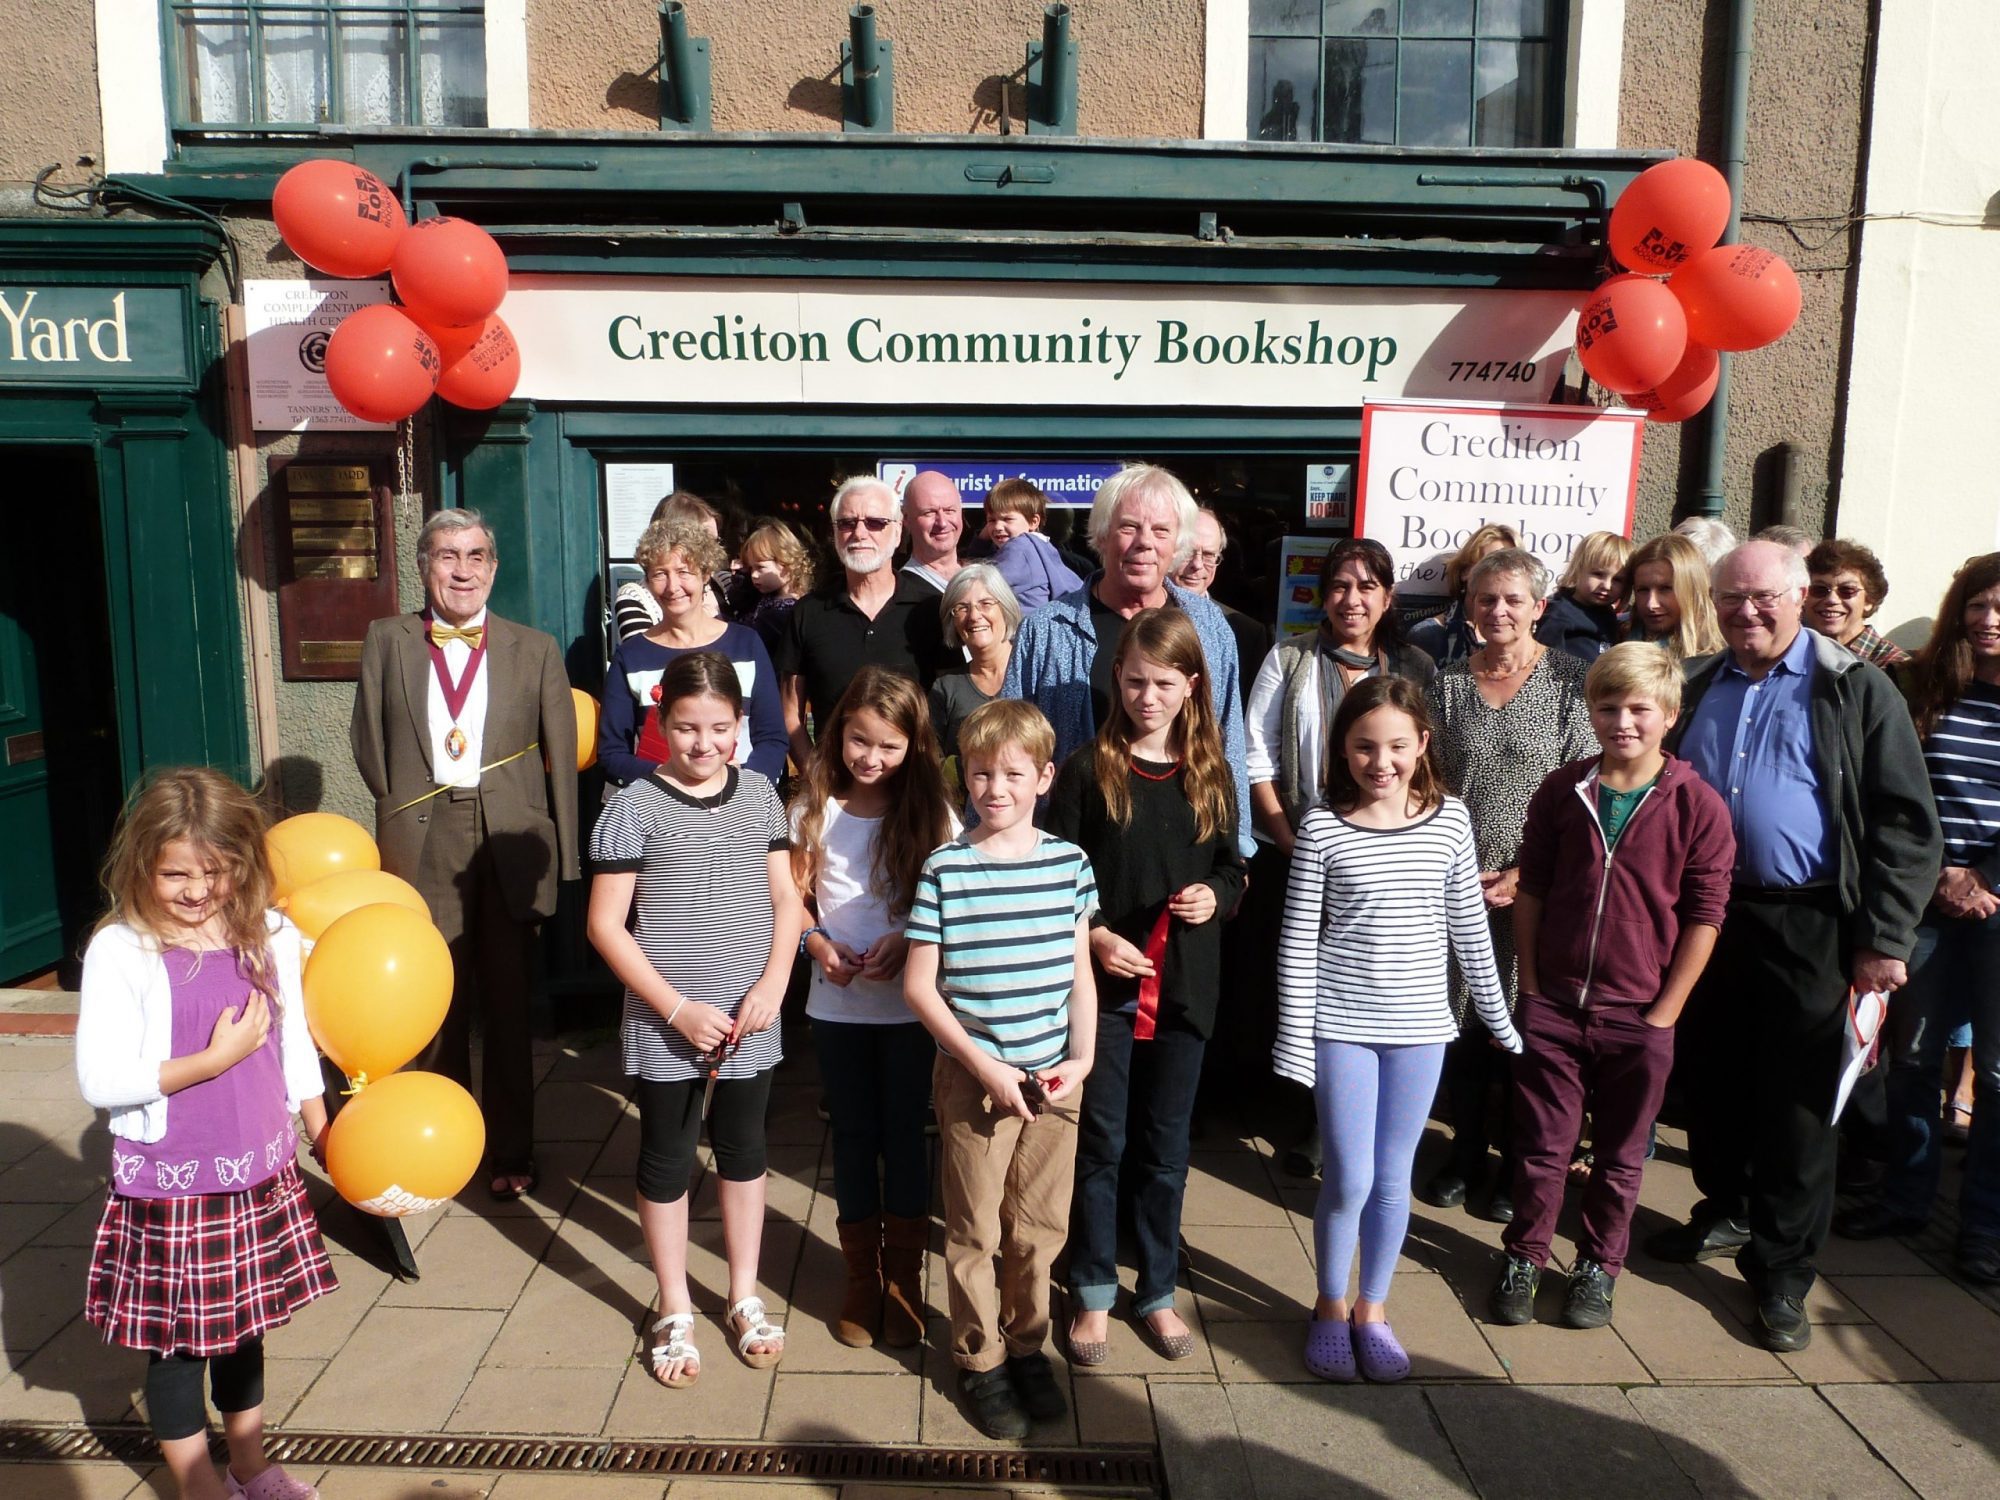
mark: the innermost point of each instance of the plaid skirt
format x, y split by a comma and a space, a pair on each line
199, 1275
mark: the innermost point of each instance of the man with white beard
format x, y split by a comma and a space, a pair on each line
867, 614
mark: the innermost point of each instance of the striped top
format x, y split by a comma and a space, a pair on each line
1963, 757
1372, 917
704, 903
1006, 930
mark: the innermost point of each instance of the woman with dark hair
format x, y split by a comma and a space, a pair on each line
1848, 586
1953, 685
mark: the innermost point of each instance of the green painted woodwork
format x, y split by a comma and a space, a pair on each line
93, 336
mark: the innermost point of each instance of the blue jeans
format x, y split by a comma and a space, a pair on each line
1141, 1092
1954, 974
878, 1091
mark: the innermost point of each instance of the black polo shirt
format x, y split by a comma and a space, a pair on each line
828, 639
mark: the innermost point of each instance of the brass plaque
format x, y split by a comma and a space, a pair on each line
327, 479
332, 538
336, 567
22, 748
324, 653
311, 509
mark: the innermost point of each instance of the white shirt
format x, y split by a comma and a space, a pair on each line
1263, 722
465, 770
852, 912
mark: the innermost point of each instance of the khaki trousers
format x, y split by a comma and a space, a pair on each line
1006, 1216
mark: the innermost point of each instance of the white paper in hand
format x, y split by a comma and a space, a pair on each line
1862, 1044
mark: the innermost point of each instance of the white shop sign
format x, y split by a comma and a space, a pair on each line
1432, 473
288, 324
737, 340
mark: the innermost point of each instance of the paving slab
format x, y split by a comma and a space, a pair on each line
405, 1484
1439, 1334
569, 1319
1944, 1440
1842, 1353
470, 1261
1773, 1444
41, 1289
403, 1370
1545, 1353
74, 1481
29, 1223
1112, 1409
1200, 1449
578, 1110
752, 1489
63, 1171
74, 1377
1681, 1334
1256, 1272
509, 1399
578, 1487
1309, 1442
843, 1409
1935, 1320
1555, 1442
730, 1400
1232, 1188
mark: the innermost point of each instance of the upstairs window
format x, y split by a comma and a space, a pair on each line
291, 64
1407, 72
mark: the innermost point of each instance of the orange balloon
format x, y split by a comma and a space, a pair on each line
1631, 334
338, 218
487, 372
586, 729
308, 847
1670, 213
1737, 297
380, 365
449, 271
377, 988
405, 1144
316, 907
1684, 392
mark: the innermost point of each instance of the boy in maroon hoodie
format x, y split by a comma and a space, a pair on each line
1625, 866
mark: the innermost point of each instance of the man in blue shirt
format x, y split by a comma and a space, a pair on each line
1838, 846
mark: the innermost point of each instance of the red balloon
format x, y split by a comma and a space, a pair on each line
1631, 334
1737, 297
449, 272
338, 218
452, 342
1671, 213
1684, 392
487, 372
380, 365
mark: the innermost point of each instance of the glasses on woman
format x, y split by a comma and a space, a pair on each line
968, 607
1846, 593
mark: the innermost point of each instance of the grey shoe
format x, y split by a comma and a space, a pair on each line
1513, 1300
1587, 1301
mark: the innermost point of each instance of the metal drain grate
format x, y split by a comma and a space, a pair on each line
1119, 1470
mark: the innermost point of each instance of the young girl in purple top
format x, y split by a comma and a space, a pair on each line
192, 1033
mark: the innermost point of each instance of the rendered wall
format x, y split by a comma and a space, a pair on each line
775, 63
48, 105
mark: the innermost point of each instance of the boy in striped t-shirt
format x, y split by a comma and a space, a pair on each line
999, 971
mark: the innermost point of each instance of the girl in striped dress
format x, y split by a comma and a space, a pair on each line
706, 851
1384, 890
192, 1033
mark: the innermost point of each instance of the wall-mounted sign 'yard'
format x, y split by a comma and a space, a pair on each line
1433, 473
753, 342
288, 324
91, 335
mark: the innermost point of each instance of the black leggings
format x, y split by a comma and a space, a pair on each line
173, 1388
670, 1128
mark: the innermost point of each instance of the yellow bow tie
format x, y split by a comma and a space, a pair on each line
472, 635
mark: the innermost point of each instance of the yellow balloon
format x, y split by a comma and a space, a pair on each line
314, 845
377, 988
586, 729
318, 906
405, 1144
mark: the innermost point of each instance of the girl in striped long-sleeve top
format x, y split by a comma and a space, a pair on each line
1384, 890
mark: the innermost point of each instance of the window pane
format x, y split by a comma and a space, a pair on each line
1361, 17
1437, 18
1283, 17
1514, 17
374, 72
298, 69
1436, 94
1360, 92
1513, 98
452, 55
1284, 90
215, 61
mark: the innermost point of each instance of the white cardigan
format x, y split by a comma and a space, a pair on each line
125, 1027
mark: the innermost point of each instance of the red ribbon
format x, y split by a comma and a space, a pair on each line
1145, 1024
454, 697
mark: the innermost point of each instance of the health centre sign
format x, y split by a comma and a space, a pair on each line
748, 341
1432, 473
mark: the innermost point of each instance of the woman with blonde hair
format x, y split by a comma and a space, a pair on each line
1449, 637
1671, 603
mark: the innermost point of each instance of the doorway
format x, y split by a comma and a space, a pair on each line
60, 776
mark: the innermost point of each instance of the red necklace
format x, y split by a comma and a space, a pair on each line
1166, 775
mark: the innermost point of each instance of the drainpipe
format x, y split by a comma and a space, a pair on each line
1709, 499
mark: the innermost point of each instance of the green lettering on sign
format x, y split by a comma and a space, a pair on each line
94, 336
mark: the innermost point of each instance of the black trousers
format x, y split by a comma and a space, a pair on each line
1761, 1047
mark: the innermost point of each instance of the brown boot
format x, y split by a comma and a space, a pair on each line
904, 1242
860, 1316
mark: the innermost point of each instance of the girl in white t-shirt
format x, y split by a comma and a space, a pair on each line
871, 807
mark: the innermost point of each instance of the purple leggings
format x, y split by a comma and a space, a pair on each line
1373, 1103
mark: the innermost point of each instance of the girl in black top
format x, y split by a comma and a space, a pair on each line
1152, 803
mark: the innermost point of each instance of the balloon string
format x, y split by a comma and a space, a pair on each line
440, 791
354, 1085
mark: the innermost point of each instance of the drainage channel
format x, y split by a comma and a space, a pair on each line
1122, 1471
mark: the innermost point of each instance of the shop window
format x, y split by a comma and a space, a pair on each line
1407, 72
297, 64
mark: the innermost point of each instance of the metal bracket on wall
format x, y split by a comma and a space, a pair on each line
684, 96
1000, 174
867, 77
1052, 76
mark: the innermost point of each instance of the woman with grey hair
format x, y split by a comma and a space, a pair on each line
981, 617
1502, 718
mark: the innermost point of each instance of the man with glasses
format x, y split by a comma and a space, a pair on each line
1197, 576
868, 614
1837, 851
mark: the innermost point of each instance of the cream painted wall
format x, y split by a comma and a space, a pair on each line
1919, 480
48, 106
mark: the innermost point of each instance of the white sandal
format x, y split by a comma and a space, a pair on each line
678, 1345
756, 1329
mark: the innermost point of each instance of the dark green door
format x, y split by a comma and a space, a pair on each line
59, 763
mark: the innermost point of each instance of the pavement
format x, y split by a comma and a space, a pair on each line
524, 1324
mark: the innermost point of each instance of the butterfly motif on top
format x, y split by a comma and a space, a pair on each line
126, 1168
234, 1171
279, 1149
176, 1179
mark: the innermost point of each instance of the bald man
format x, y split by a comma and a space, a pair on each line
933, 520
